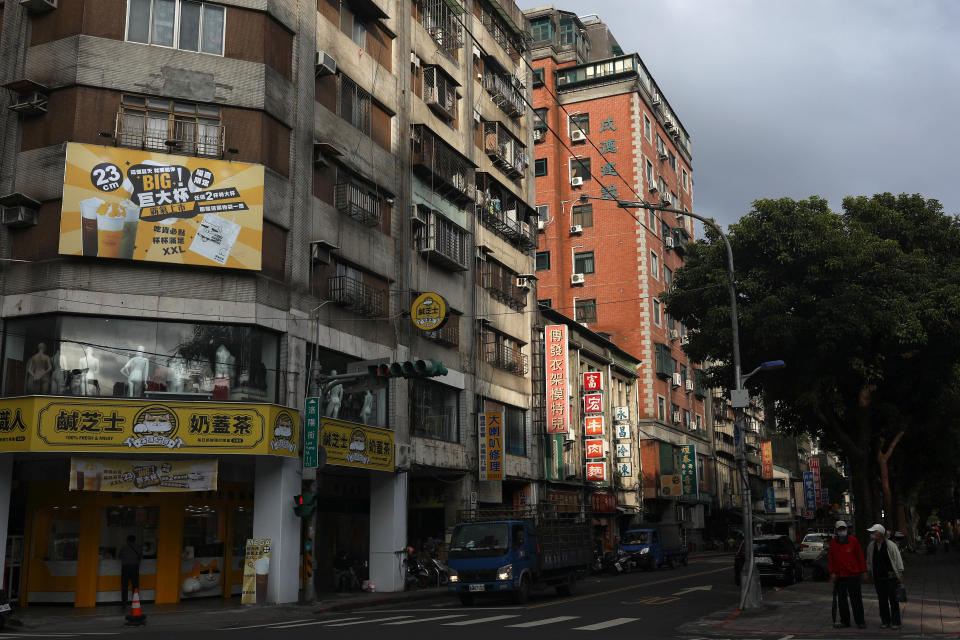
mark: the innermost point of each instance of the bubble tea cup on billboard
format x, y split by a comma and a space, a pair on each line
128, 237
110, 227
88, 225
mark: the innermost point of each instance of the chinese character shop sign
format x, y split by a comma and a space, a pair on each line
555, 347
809, 492
593, 425
593, 403
596, 472
353, 445
594, 449
688, 470
814, 464
766, 449
592, 381
491, 445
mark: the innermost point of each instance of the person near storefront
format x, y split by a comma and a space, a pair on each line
885, 565
847, 568
129, 567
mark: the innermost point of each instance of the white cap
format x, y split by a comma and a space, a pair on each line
878, 528
840, 525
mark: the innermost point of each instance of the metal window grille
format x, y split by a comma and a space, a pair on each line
357, 202
505, 94
448, 335
160, 131
356, 296
355, 104
439, 93
443, 240
506, 357
440, 21
450, 173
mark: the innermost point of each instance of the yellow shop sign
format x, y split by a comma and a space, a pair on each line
109, 425
355, 445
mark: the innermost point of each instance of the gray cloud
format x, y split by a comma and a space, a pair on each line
801, 97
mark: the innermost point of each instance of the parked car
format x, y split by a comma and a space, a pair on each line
812, 546
775, 557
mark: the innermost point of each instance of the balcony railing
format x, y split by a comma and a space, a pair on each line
498, 32
355, 201
507, 358
450, 173
723, 447
440, 93
505, 150
448, 335
356, 296
505, 94
505, 223
441, 23
502, 286
440, 239
183, 136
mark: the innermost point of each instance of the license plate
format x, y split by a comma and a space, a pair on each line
478, 587
761, 560
4, 607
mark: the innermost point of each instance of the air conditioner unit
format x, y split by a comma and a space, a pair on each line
677, 381
523, 283
663, 154
668, 242
657, 102
537, 135
674, 334
677, 417
578, 136
688, 385
30, 104
38, 6
653, 187
576, 230
576, 181
666, 198
414, 59
419, 215
685, 340
541, 226
668, 125
18, 216
325, 64
577, 278
524, 229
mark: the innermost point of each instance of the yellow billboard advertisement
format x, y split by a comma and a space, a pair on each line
133, 475
355, 445
151, 206
109, 425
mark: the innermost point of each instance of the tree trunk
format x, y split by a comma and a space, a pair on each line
883, 458
900, 509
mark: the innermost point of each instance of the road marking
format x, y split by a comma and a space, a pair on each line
454, 615
347, 624
566, 601
651, 600
463, 623
301, 623
538, 623
706, 587
605, 625
264, 624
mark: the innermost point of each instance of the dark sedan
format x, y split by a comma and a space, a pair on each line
775, 557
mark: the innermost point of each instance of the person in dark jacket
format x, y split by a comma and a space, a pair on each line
886, 566
847, 568
129, 567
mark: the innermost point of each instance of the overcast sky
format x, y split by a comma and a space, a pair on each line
801, 97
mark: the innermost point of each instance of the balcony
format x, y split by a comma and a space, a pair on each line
354, 295
447, 171
183, 136
723, 447
448, 335
506, 94
440, 93
506, 151
502, 286
596, 72
358, 203
440, 240
440, 21
507, 358
506, 224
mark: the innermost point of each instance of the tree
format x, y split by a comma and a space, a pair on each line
863, 306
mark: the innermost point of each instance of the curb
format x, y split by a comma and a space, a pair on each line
386, 599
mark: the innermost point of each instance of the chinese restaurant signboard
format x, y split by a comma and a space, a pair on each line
557, 365
356, 445
688, 471
766, 449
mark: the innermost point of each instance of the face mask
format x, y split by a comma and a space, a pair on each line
842, 535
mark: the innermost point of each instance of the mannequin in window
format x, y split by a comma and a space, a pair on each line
224, 365
178, 373
39, 372
334, 398
136, 371
367, 409
91, 381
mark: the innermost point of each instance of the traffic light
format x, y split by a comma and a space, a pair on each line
408, 369
304, 504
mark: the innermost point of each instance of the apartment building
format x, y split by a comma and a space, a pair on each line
209, 208
605, 133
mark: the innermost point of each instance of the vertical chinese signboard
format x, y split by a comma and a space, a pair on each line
688, 471
766, 450
592, 403
555, 348
592, 381
491, 445
311, 432
770, 500
596, 472
814, 464
593, 425
594, 449
809, 492
825, 496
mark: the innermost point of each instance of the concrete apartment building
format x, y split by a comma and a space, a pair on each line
605, 132
207, 207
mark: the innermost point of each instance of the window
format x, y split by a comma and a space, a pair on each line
647, 128
351, 25
671, 323
661, 408
674, 410
515, 427
672, 159
699, 422
540, 118
683, 372
580, 168
541, 29
586, 310
434, 410
683, 178
540, 167
652, 220
538, 79
182, 24
650, 178
582, 215
567, 33
583, 262
656, 312
543, 260
667, 276
355, 104
686, 418
580, 122
661, 148
152, 123
654, 265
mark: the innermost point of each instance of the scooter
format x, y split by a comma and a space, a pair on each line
6, 612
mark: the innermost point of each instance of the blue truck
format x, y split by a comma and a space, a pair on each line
512, 552
654, 545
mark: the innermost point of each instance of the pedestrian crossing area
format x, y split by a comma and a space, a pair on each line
473, 620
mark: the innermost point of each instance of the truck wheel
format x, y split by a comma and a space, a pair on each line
569, 588
670, 562
466, 599
522, 594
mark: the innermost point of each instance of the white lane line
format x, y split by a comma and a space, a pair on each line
463, 623
264, 624
455, 615
605, 625
313, 622
537, 623
347, 624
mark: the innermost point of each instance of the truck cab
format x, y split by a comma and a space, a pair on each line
493, 557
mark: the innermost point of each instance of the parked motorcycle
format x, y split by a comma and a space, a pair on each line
5, 610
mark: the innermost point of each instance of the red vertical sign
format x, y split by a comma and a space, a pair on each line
593, 403
593, 381
766, 449
814, 464
555, 352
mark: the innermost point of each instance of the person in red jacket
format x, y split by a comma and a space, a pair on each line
848, 568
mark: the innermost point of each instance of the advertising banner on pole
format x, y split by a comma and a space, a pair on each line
766, 451
688, 471
256, 571
809, 492
311, 433
557, 369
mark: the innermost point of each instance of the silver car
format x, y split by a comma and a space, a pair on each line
812, 546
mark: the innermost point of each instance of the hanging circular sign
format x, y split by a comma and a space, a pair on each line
429, 311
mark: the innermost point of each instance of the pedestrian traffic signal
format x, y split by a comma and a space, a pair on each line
304, 504
408, 369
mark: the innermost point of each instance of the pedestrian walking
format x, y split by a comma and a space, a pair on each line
847, 568
129, 567
885, 565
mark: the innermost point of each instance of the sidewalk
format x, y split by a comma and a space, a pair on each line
933, 590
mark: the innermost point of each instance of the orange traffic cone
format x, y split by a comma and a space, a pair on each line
136, 618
